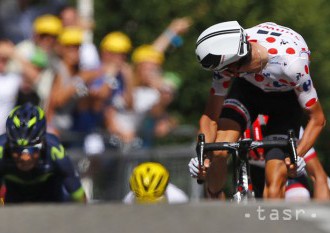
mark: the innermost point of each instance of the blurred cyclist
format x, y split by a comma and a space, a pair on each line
33, 164
149, 183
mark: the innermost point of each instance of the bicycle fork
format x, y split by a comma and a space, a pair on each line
243, 189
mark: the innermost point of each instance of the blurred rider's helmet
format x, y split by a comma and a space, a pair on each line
71, 36
149, 181
47, 24
26, 125
147, 53
116, 42
221, 45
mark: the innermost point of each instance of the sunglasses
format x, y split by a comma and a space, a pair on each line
27, 149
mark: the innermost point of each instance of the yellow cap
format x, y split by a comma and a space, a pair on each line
47, 24
147, 53
71, 36
116, 42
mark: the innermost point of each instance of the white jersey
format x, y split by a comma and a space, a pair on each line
287, 68
173, 195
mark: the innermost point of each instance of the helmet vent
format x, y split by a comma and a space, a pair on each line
217, 34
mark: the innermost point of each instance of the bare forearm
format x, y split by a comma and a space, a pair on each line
208, 123
62, 97
208, 127
313, 129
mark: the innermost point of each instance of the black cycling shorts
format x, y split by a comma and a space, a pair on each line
246, 101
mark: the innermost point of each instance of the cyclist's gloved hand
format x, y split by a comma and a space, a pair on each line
301, 164
193, 167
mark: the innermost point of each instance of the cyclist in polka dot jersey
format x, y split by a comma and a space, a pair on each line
260, 70
287, 67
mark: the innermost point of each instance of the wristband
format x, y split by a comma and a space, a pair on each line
175, 39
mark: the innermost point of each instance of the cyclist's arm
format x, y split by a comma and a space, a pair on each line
208, 123
70, 177
72, 182
307, 97
313, 128
73, 185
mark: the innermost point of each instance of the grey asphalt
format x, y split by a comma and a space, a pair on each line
208, 216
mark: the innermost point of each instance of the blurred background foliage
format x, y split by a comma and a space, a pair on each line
144, 20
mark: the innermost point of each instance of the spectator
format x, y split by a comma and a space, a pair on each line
148, 84
35, 59
89, 58
124, 122
159, 122
74, 96
17, 16
70, 17
119, 75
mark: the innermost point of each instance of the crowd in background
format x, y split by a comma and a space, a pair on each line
87, 90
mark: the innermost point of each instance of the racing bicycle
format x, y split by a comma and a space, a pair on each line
241, 180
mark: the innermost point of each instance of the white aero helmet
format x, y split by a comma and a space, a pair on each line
221, 45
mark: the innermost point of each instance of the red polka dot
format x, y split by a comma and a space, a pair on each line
253, 40
259, 78
310, 102
306, 69
271, 39
226, 84
212, 91
272, 51
290, 51
283, 81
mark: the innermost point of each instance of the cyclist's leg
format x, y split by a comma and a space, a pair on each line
258, 178
276, 176
229, 131
235, 115
320, 184
316, 172
284, 114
